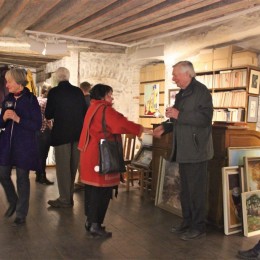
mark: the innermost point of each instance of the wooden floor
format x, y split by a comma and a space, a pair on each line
140, 231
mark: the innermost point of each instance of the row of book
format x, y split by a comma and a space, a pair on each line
229, 115
224, 79
229, 99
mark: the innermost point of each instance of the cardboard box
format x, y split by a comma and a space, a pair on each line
202, 66
225, 52
205, 55
221, 64
244, 58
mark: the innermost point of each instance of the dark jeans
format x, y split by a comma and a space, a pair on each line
193, 177
96, 202
44, 142
23, 189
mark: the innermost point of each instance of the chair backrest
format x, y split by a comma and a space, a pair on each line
129, 147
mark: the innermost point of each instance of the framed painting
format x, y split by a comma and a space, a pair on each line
144, 157
251, 213
252, 109
151, 99
252, 173
236, 154
232, 205
168, 187
254, 82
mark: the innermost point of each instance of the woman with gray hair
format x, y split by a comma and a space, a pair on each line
20, 119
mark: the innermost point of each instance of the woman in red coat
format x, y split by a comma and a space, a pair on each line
98, 188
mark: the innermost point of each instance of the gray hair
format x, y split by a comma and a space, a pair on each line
18, 75
62, 74
186, 66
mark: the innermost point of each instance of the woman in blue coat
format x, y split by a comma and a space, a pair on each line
20, 120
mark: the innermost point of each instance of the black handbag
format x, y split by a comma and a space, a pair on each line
111, 159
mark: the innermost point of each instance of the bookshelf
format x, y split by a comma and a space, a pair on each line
231, 89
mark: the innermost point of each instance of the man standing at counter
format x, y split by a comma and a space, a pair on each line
190, 120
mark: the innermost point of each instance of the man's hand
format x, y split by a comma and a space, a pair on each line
158, 131
172, 112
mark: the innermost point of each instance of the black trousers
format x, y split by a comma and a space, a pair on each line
193, 177
44, 141
96, 202
23, 189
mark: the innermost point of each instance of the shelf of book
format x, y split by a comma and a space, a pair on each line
231, 90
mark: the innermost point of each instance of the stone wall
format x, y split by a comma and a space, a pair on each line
117, 70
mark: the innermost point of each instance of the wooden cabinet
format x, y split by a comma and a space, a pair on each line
161, 148
222, 139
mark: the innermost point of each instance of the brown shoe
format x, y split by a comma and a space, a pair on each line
58, 204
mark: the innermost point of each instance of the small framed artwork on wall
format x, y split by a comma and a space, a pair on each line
252, 110
254, 83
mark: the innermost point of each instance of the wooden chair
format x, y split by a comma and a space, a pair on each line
128, 151
143, 175
140, 169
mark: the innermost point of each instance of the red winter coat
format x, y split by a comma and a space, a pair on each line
90, 137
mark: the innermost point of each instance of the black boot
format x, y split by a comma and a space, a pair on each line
43, 180
97, 231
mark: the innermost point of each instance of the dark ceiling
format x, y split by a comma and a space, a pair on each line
119, 21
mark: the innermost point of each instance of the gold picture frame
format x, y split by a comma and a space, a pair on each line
168, 187
251, 173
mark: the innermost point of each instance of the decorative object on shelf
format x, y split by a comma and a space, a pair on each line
251, 173
232, 182
168, 187
151, 99
251, 217
254, 83
252, 109
236, 154
172, 96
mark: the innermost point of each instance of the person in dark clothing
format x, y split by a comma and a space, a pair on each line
67, 107
191, 124
44, 138
85, 87
252, 253
20, 119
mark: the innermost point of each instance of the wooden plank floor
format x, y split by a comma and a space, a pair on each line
140, 231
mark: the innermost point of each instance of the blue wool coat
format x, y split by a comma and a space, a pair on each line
18, 142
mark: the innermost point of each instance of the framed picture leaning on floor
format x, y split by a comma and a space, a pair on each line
232, 181
251, 213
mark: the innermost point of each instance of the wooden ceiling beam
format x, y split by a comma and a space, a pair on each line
70, 14
112, 15
185, 20
148, 18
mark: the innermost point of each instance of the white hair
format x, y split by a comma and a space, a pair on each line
62, 74
186, 66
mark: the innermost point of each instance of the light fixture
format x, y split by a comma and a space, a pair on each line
44, 49
47, 46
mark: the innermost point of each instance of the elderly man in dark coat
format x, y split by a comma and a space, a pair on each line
67, 107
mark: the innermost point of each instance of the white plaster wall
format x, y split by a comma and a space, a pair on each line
117, 70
